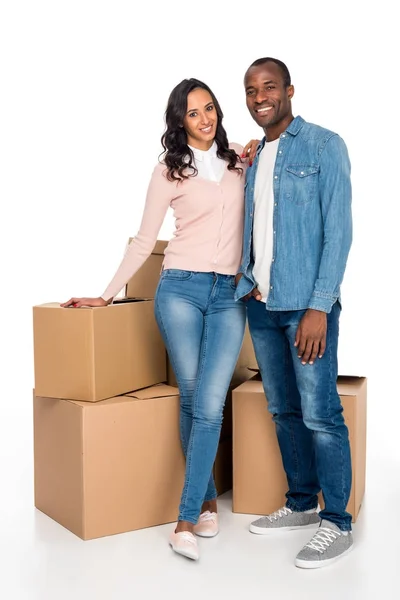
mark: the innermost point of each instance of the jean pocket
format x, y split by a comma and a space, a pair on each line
301, 183
176, 274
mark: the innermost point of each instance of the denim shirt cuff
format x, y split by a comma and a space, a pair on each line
244, 287
323, 303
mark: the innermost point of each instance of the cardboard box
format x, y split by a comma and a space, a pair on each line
145, 281
259, 481
112, 466
96, 353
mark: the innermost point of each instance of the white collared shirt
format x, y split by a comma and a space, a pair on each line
208, 164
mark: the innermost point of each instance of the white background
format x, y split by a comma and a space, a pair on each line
84, 86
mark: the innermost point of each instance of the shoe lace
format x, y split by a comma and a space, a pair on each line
282, 512
207, 516
187, 537
322, 539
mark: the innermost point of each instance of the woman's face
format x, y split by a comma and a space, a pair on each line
201, 119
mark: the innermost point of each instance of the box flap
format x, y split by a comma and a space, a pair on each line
346, 385
58, 305
125, 300
252, 386
48, 305
161, 390
117, 301
350, 386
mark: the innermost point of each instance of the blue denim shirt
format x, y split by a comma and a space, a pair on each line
312, 223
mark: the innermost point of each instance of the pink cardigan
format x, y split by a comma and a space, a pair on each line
208, 225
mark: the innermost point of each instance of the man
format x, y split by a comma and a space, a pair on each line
298, 231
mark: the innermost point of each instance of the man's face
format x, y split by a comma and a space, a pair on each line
267, 98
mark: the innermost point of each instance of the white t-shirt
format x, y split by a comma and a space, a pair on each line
263, 217
208, 164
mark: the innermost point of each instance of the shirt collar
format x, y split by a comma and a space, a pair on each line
199, 155
293, 128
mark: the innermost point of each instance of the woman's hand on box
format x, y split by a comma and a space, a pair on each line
79, 302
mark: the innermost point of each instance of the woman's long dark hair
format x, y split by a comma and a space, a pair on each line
174, 140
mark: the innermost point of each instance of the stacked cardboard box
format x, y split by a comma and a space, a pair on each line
111, 466
95, 353
106, 427
259, 481
106, 437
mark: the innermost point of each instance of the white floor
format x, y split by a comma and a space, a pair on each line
43, 561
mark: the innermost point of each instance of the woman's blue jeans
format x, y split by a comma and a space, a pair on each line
202, 327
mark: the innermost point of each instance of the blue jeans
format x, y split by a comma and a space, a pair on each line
307, 411
202, 327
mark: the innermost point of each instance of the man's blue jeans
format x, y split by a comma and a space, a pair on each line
202, 327
307, 411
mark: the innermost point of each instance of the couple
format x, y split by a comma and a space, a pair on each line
268, 237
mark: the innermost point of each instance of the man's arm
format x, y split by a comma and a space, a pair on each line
335, 198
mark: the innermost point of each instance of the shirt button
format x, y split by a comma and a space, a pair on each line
276, 177
273, 260
271, 287
276, 204
274, 232
283, 135
301, 172
280, 151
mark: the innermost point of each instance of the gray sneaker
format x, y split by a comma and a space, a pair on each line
285, 519
327, 545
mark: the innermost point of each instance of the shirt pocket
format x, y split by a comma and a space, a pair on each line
301, 183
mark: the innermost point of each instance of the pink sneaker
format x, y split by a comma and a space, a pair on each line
184, 543
207, 525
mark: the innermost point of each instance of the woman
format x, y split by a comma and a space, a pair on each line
202, 179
